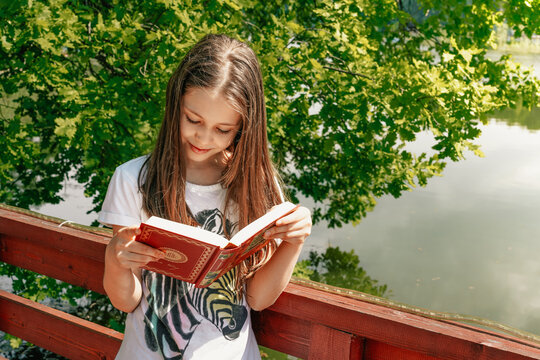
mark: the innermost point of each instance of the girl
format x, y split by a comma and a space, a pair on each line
211, 168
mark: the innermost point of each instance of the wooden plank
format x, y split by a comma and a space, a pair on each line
280, 332
67, 254
397, 328
54, 330
375, 350
40, 257
65, 238
332, 344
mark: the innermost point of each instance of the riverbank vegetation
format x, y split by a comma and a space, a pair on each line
505, 41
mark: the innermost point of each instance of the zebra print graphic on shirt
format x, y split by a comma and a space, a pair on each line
176, 308
212, 220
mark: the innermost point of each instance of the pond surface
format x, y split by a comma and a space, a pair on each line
468, 242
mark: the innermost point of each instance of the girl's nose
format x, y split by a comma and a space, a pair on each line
204, 136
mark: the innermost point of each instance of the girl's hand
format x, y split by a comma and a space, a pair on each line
293, 228
127, 252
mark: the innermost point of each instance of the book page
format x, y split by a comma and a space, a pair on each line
188, 231
263, 222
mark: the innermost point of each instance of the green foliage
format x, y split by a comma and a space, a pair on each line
14, 342
522, 15
83, 82
37, 287
270, 354
338, 268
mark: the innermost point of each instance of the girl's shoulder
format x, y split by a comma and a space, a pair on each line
132, 167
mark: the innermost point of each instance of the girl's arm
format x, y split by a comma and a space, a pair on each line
123, 260
266, 285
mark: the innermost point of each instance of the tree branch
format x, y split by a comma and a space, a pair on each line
103, 62
298, 74
347, 72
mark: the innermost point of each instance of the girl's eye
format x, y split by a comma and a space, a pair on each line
223, 131
191, 120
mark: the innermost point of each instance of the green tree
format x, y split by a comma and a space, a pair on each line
82, 86
339, 268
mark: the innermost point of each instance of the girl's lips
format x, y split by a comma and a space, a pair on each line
197, 150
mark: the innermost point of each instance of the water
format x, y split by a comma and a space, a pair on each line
466, 243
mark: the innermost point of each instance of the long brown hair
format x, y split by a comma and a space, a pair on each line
230, 67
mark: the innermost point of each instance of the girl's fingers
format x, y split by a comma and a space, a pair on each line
295, 216
298, 219
300, 230
142, 249
138, 260
135, 260
127, 234
290, 232
289, 227
129, 230
294, 222
132, 253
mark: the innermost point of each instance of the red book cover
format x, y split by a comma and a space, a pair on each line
185, 258
221, 264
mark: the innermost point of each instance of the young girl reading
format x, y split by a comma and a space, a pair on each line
211, 168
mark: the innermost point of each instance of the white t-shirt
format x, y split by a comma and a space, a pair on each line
175, 320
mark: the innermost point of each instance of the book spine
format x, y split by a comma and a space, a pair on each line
220, 265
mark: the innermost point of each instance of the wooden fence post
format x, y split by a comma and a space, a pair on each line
332, 344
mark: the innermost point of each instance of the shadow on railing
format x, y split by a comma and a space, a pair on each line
309, 320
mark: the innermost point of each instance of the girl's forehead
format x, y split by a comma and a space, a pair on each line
210, 105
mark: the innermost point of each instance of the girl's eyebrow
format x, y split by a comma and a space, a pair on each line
199, 116
193, 112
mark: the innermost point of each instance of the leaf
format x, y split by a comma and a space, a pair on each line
448, 57
66, 127
15, 342
233, 4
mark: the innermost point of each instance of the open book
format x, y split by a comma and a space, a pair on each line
199, 256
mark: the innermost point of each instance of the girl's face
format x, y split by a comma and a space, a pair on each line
208, 126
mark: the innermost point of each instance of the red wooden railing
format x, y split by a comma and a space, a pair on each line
305, 322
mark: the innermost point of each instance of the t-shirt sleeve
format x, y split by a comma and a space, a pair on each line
123, 202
